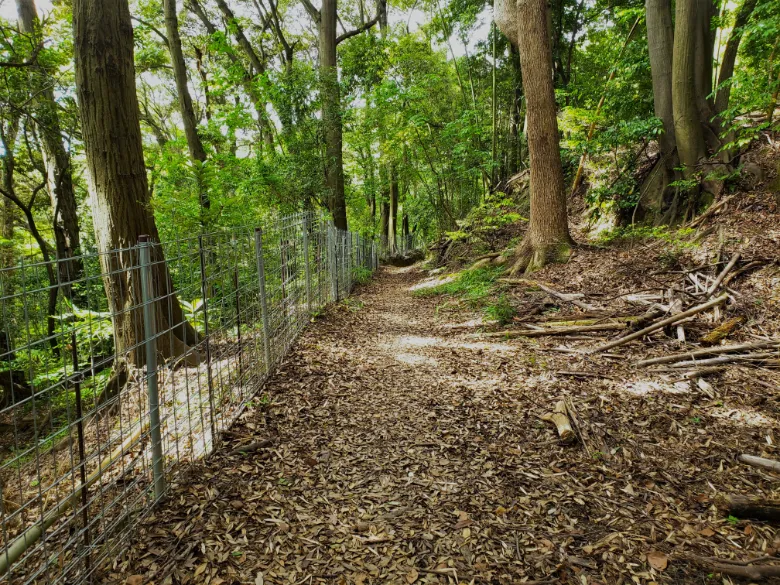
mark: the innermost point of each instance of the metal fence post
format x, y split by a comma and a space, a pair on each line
82, 450
204, 291
333, 264
263, 301
150, 333
306, 262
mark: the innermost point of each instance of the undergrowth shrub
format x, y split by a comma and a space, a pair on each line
500, 311
361, 274
471, 285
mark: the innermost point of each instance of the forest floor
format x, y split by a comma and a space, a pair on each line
401, 447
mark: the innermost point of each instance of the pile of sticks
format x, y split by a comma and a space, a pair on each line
672, 309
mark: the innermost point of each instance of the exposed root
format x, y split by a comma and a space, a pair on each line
532, 257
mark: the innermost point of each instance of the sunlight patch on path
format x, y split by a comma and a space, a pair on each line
414, 359
645, 387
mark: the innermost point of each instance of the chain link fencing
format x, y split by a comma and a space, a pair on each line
107, 397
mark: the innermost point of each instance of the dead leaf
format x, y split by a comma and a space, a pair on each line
657, 560
412, 576
135, 580
707, 532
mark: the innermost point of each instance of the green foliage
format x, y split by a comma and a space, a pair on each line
501, 310
471, 285
194, 313
486, 221
361, 274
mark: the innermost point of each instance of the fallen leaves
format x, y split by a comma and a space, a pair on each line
658, 560
388, 473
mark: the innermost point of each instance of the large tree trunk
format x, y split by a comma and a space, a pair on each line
548, 238
687, 122
660, 36
331, 115
194, 143
105, 86
56, 161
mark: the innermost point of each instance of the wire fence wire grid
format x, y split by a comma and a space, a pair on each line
119, 369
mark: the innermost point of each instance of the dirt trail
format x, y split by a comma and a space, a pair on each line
407, 451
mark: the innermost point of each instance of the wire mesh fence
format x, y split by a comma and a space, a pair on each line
114, 379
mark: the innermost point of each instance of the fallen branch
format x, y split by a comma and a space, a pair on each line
760, 462
556, 330
560, 419
747, 571
726, 359
569, 298
711, 211
252, 447
29, 537
746, 268
707, 351
714, 286
576, 374
661, 324
754, 507
698, 373
722, 331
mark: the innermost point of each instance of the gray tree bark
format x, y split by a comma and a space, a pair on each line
744, 12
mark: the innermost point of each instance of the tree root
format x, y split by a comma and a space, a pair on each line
532, 257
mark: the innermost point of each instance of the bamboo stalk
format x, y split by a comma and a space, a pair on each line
30, 536
557, 331
734, 259
661, 324
707, 351
761, 462
727, 359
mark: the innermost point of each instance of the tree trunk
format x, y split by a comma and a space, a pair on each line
687, 123
56, 160
105, 86
706, 10
258, 68
515, 115
331, 114
392, 225
548, 238
194, 143
384, 218
744, 13
660, 36
7, 141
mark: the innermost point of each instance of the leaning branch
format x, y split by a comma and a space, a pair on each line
357, 31
663, 323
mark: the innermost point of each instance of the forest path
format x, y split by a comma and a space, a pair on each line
389, 438
406, 450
